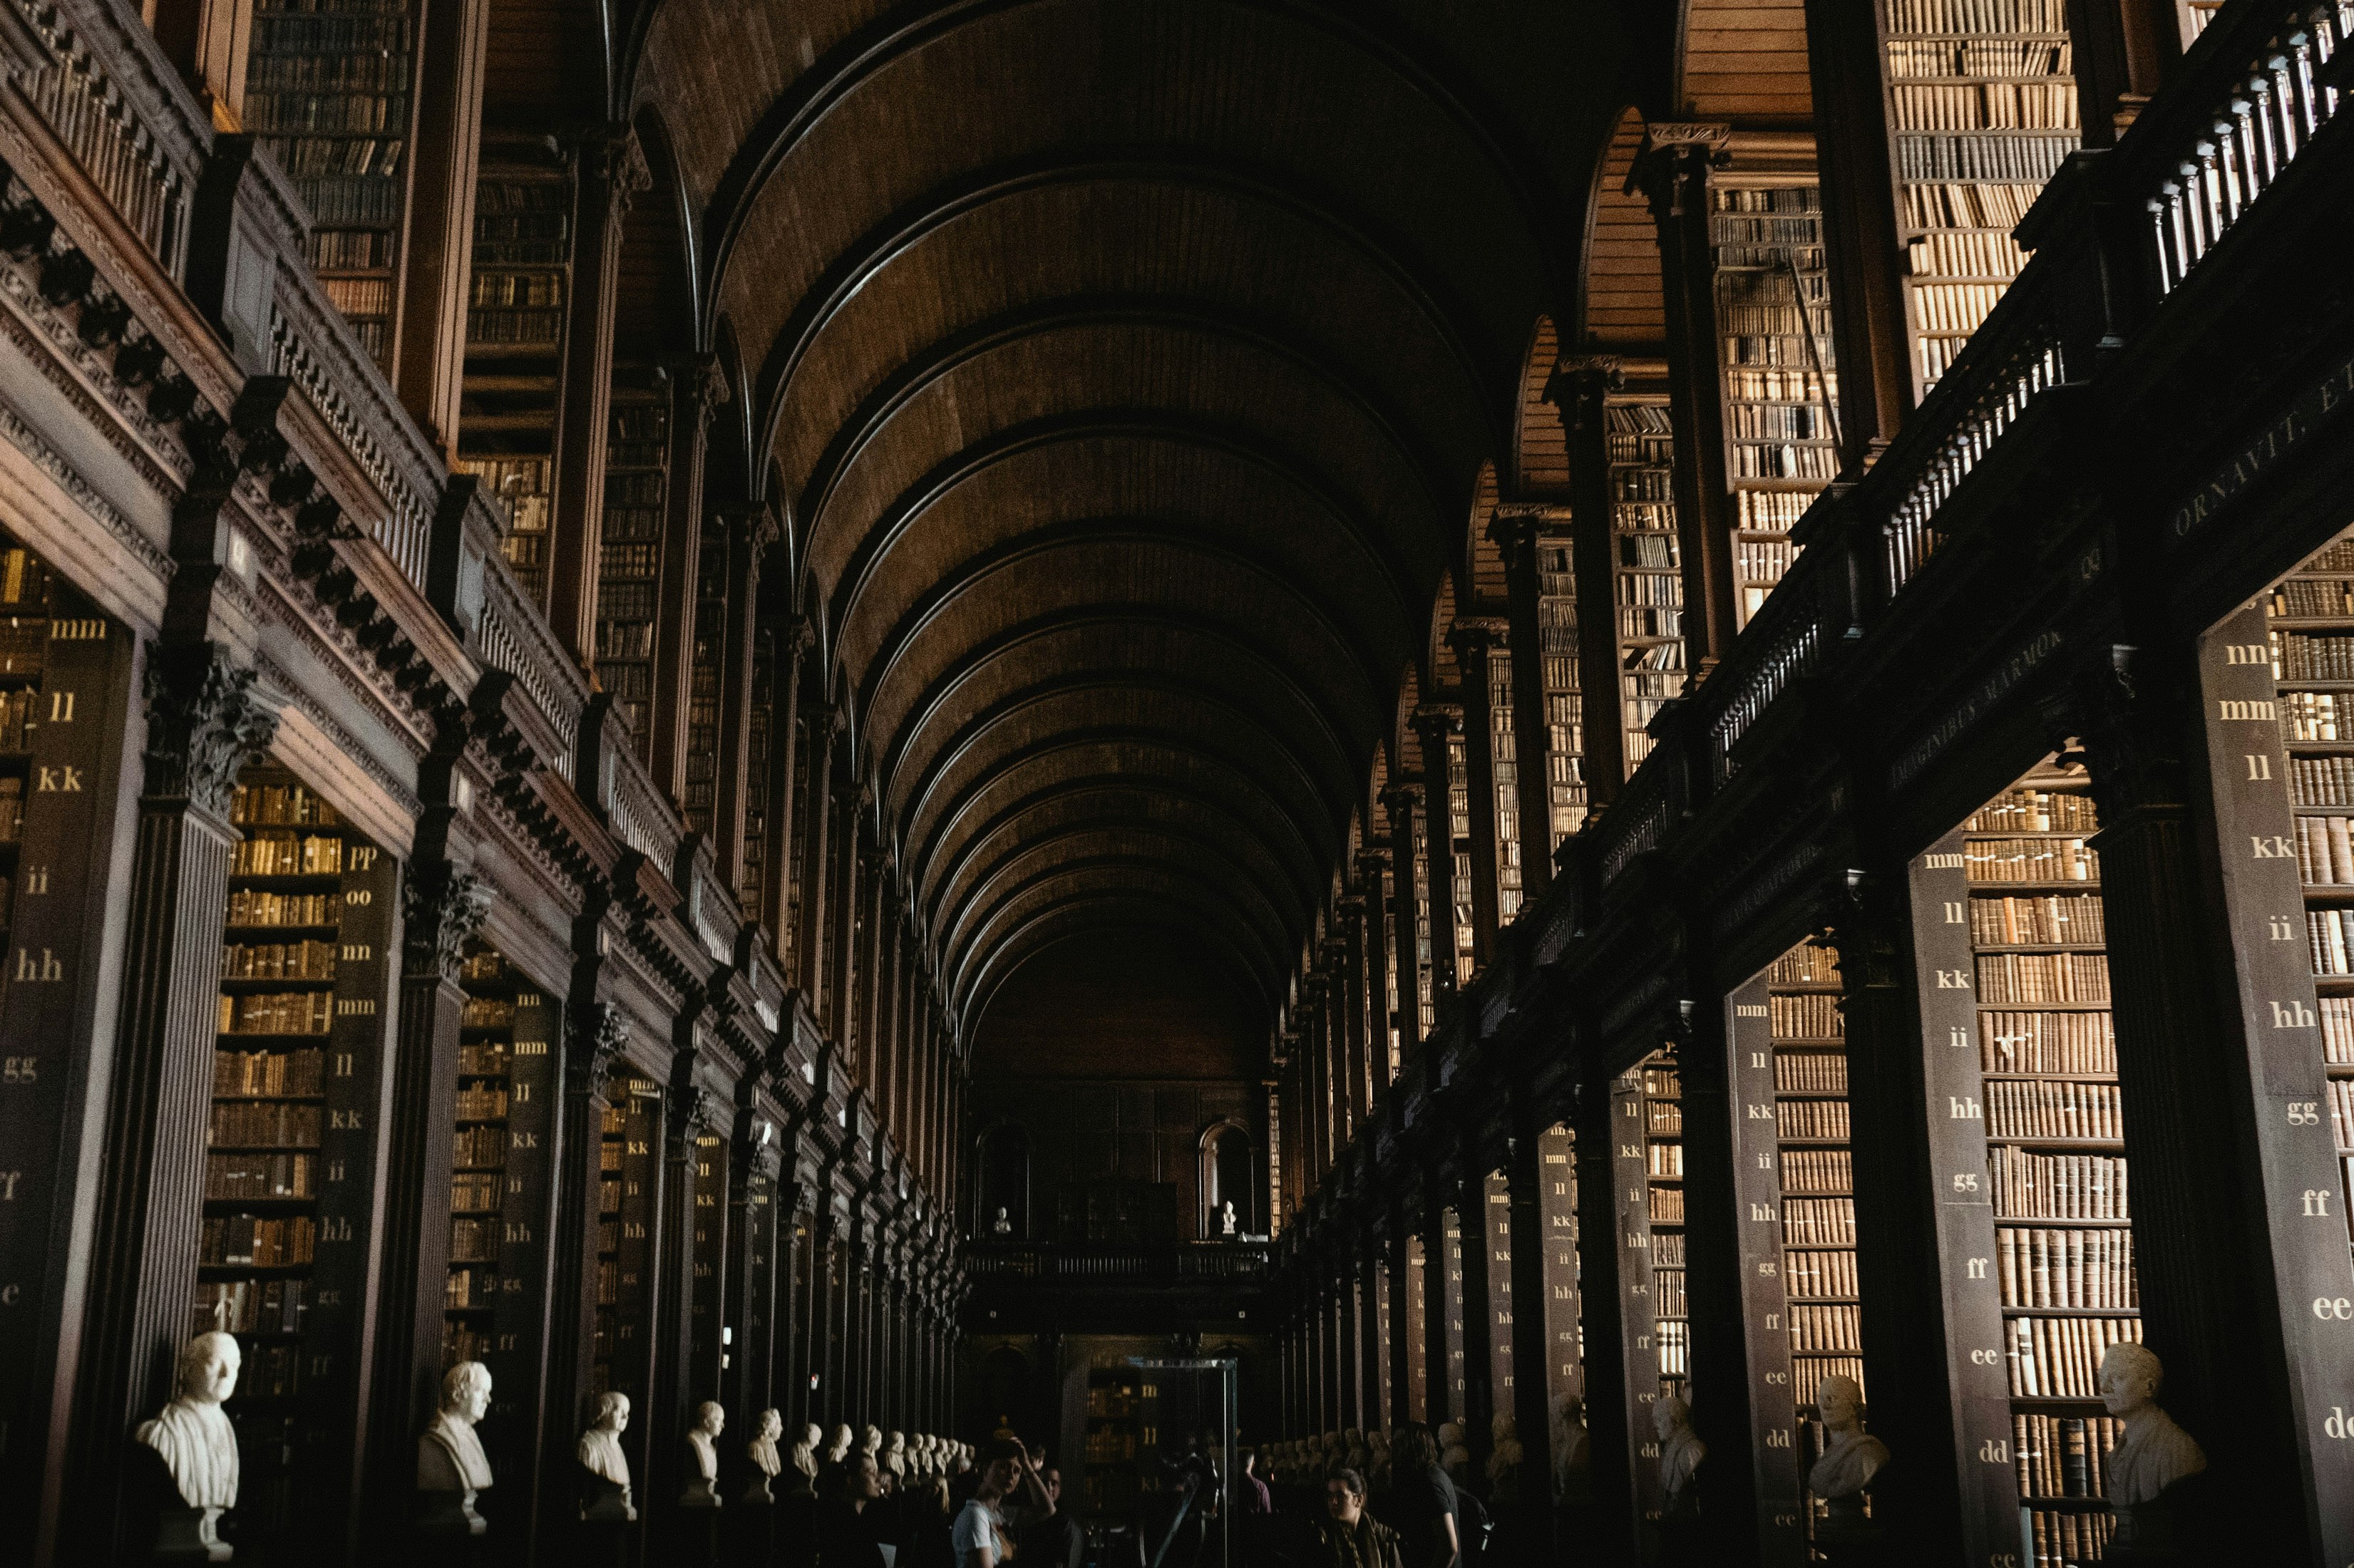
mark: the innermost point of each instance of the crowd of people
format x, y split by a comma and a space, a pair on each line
1406, 1498
925, 1503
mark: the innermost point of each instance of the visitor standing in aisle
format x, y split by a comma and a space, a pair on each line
1424, 1507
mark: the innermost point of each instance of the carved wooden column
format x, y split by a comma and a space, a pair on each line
1862, 244
1611, 1437
692, 1111
1438, 1387
1518, 528
697, 390
1436, 724
1475, 641
1371, 1362
1712, 1283
443, 906
1400, 1344
1347, 958
203, 717
1379, 918
1580, 387
437, 245
1672, 169
1479, 1315
1531, 1344
854, 849
750, 532
1403, 801
794, 643
594, 1036
825, 721
612, 169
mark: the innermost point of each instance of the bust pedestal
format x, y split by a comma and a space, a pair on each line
187, 1535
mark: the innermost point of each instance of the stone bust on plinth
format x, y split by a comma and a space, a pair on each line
2155, 1455
767, 1463
607, 1477
804, 1459
1681, 1453
192, 1436
703, 1457
1851, 1457
452, 1469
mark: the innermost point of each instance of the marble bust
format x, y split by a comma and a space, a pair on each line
804, 1456
608, 1469
1002, 1225
1681, 1453
1227, 1220
452, 1469
871, 1446
192, 1436
839, 1448
767, 1463
1851, 1457
1573, 1453
703, 1457
894, 1456
2155, 1455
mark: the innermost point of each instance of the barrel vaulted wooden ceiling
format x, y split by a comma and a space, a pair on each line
1123, 370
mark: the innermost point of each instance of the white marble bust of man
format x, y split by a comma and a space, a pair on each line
805, 1451
762, 1449
840, 1449
2155, 1452
1681, 1450
601, 1446
1852, 1456
193, 1435
449, 1457
703, 1446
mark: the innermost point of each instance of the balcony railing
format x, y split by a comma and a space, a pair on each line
1116, 1264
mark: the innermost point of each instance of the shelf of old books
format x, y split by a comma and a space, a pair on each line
1773, 321
292, 1132
1647, 567
1504, 765
1816, 1176
500, 1179
701, 797
2309, 622
760, 739
1425, 980
327, 90
1117, 1435
1565, 713
514, 342
1981, 112
2055, 1150
1459, 829
629, 554
65, 687
1663, 1148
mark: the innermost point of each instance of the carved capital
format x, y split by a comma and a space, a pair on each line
1477, 636
1402, 795
599, 1039
1437, 720
611, 153
1671, 169
701, 381
800, 637
442, 908
205, 715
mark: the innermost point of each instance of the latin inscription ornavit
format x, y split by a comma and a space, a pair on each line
2318, 404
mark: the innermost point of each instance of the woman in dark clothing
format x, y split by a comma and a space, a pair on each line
852, 1527
1421, 1503
1349, 1537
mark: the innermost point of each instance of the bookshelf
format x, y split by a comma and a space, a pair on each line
1663, 1148
1816, 1175
1459, 830
1981, 110
710, 641
500, 1181
61, 659
282, 1259
2309, 625
1118, 1438
1641, 1357
1416, 1403
1647, 567
1773, 323
1566, 795
759, 743
327, 91
1451, 1259
1558, 1197
1504, 767
707, 1243
628, 556
2055, 1151
1498, 1260
628, 1185
1425, 972
514, 342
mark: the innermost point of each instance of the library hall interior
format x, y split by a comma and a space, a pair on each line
1176, 783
